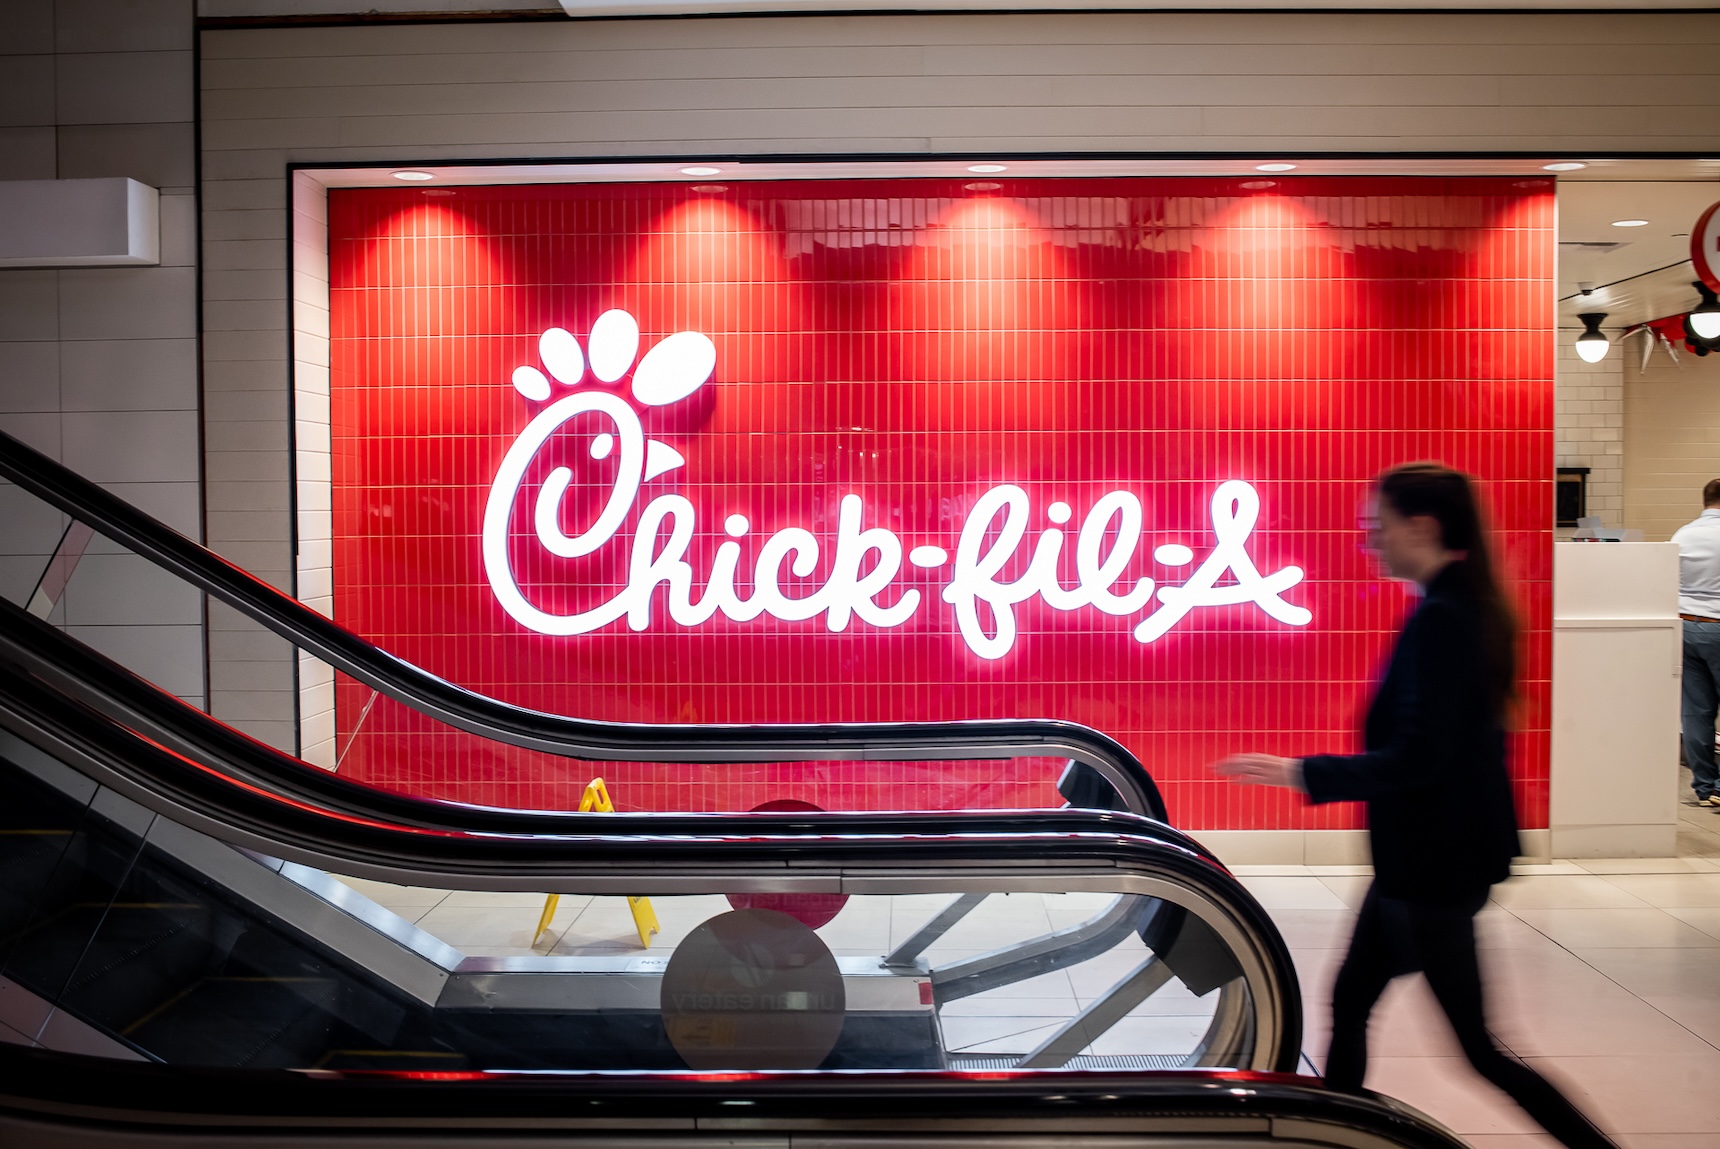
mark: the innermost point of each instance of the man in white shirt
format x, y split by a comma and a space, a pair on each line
1699, 607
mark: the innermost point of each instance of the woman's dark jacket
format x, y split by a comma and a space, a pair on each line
1440, 817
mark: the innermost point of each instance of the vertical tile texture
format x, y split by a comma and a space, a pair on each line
916, 342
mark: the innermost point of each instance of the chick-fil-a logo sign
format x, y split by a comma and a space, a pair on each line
864, 562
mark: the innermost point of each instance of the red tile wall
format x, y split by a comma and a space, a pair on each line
917, 342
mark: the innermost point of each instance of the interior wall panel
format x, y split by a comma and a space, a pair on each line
1168, 82
1133, 420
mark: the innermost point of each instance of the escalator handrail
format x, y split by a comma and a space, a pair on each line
649, 853
475, 846
491, 718
182, 755
92, 1093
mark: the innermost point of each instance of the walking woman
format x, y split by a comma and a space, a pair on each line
1432, 772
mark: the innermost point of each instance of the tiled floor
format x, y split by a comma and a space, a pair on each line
1603, 974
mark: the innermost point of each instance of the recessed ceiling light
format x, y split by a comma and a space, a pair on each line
701, 171
710, 188
1274, 167
1259, 185
986, 169
983, 186
1570, 166
1630, 223
413, 176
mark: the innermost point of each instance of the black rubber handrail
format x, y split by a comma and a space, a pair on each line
491, 718
200, 762
93, 1095
362, 828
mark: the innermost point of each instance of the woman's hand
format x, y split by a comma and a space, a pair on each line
1260, 770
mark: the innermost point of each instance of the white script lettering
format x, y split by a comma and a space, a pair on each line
864, 562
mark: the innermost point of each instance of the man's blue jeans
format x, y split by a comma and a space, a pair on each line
1701, 701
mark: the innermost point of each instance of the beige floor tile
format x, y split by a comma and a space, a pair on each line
1706, 919
1600, 928
466, 926
1648, 865
1700, 1016
1350, 888
1668, 1140
1615, 1024
1450, 1092
1556, 866
1293, 894
1563, 891
491, 900
1499, 928
1285, 871
1672, 891
1512, 1141
1314, 929
1642, 1094
1682, 973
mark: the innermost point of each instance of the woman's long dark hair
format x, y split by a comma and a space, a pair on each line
1448, 496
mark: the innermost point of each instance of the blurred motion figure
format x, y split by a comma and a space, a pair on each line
1432, 772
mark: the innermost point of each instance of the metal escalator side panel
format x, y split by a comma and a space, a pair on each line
104, 1105
876, 861
176, 772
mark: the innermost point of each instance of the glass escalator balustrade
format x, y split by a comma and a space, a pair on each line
175, 947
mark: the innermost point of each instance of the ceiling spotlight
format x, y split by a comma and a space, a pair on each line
414, 176
987, 169
1630, 223
1592, 344
1704, 319
1274, 167
1568, 166
701, 171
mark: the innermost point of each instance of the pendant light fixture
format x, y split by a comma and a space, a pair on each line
1704, 319
1592, 344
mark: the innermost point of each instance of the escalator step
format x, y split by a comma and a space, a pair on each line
142, 954
27, 861
261, 1023
984, 1062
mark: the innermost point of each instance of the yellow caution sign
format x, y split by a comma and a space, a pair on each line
595, 800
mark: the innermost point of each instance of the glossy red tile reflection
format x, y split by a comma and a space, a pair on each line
916, 343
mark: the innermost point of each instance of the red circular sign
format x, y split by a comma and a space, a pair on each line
1705, 247
810, 910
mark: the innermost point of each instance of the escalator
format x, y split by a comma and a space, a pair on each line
187, 948
130, 910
